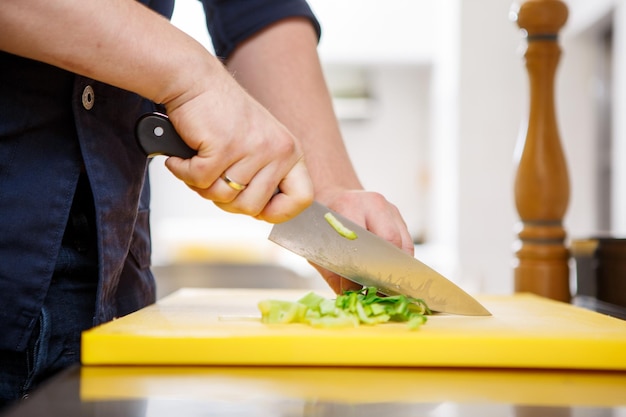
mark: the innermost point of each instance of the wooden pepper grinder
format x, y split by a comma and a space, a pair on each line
542, 183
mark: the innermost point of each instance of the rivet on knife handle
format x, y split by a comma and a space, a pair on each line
157, 136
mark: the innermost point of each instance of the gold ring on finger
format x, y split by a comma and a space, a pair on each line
233, 184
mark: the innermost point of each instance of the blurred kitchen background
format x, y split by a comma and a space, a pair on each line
431, 97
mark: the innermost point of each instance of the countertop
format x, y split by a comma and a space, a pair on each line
326, 391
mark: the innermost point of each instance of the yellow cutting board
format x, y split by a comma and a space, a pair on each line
222, 327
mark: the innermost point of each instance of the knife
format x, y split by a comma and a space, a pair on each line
319, 235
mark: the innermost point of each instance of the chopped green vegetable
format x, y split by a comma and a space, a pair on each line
311, 300
339, 227
275, 311
349, 309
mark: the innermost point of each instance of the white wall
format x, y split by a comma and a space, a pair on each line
576, 94
619, 122
370, 32
389, 149
492, 95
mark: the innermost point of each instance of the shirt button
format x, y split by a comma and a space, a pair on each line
88, 97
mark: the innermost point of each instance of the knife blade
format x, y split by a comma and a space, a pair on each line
367, 259
370, 261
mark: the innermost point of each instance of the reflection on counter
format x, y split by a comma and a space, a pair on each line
313, 392
421, 388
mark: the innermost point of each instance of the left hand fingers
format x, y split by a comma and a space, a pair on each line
373, 212
394, 230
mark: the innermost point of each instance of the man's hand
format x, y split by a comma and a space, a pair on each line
373, 212
244, 154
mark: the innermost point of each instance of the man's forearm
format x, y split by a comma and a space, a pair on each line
120, 42
281, 69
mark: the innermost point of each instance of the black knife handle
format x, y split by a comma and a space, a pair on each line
156, 136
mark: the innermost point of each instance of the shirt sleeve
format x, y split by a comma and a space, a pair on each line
230, 22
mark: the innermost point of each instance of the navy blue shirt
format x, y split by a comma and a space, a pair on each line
55, 125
